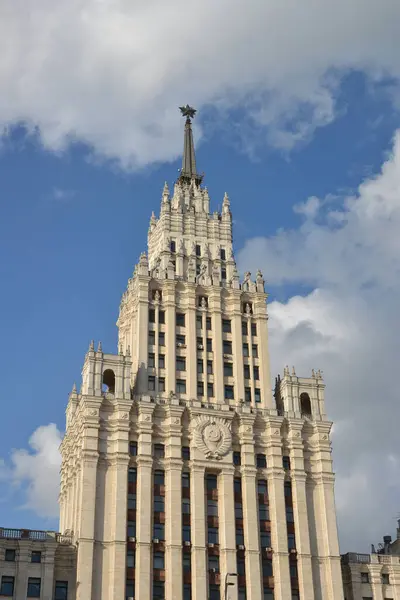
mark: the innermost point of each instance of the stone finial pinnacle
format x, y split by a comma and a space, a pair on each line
188, 172
91, 345
165, 193
74, 389
99, 347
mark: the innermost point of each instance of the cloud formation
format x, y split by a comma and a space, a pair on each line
348, 250
110, 73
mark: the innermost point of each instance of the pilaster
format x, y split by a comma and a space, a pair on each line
227, 526
198, 531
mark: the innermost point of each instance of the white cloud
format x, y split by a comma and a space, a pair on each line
36, 471
112, 72
62, 195
348, 249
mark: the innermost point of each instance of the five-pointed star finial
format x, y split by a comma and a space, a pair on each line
187, 111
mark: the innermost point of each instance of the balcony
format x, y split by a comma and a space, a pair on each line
353, 557
34, 535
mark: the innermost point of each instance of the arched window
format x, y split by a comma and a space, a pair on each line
305, 404
109, 381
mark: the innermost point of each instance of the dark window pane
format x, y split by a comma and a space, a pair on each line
227, 347
212, 482
181, 386
131, 529
158, 560
265, 539
158, 590
61, 590
161, 384
247, 394
214, 593
237, 485
131, 501
226, 325
187, 591
223, 274
159, 531
255, 350
161, 316
210, 390
209, 367
262, 486
159, 478
7, 586
228, 369
257, 395
229, 395
159, 504
180, 363
208, 323
198, 250
36, 557
185, 480
186, 506
132, 475
209, 345
130, 559
159, 451
213, 535
200, 388
245, 350
181, 339
34, 585
253, 329
152, 315
161, 361
9, 555
239, 537
238, 510
133, 448
200, 367
199, 321
151, 383
293, 570
212, 508
263, 512
261, 461
152, 338
256, 373
236, 458
213, 563
267, 568
246, 370
185, 453
223, 254
180, 319
244, 327
186, 533
161, 338
291, 541
286, 462
288, 489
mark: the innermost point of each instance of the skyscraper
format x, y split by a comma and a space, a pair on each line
183, 475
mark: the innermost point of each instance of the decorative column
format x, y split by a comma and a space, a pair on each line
47, 572
250, 507
227, 527
173, 505
191, 343
237, 342
277, 510
376, 581
214, 303
198, 532
260, 311
300, 510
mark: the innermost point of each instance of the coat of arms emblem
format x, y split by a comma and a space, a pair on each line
212, 436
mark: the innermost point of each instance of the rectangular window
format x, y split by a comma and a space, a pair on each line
186, 506
254, 350
385, 579
293, 570
210, 390
172, 246
186, 480
213, 563
61, 590
254, 329
212, 508
7, 586
187, 591
242, 594
223, 274
159, 478
132, 475
208, 323
261, 461
214, 593
130, 559
152, 338
287, 487
267, 568
181, 386
213, 535
263, 512
256, 373
240, 565
159, 450
34, 584
237, 485
159, 504
246, 370
159, 531
161, 384
244, 328
245, 350
257, 395
236, 458
262, 487
198, 250
222, 254
209, 345
180, 319
200, 388
209, 367
181, 339
186, 562
265, 539
228, 369
158, 560
226, 325
291, 541
186, 533
151, 383
229, 395
158, 590
152, 315
185, 453
364, 577
212, 482
227, 347
161, 317
238, 510
36, 556
161, 361
199, 321
131, 529
180, 363
132, 501
247, 394
286, 462
197, 268
9, 555
199, 343
161, 338
239, 537
152, 360
268, 594
200, 367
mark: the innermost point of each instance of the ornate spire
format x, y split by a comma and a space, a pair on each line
188, 171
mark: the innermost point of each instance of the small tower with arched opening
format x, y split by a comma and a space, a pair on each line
300, 397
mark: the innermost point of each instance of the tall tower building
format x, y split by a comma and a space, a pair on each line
184, 475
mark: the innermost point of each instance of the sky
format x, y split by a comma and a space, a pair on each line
298, 120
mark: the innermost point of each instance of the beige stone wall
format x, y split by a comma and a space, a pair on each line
366, 576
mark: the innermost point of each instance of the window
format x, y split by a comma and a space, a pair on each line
240, 564
161, 384
9, 555
180, 363
151, 383
229, 395
180, 386
161, 338
226, 326
186, 506
187, 591
161, 316
161, 361
244, 328
228, 369
200, 367
210, 390
61, 590
36, 556
293, 570
208, 323
267, 568
213, 563
238, 510
256, 373
242, 594
262, 486
132, 501
186, 563
158, 590
209, 345
385, 578
180, 319
158, 560
200, 388
180, 339
200, 343
186, 533
33, 587
152, 315
247, 394
305, 404
130, 559
222, 254
291, 541
214, 592
152, 338
213, 535
237, 485
131, 529
199, 321
263, 511
7, 586
209, 367
133, 448
197, 268
254, 350
287, 489
246, 370
268, 594
245, 350
265, 539
159, 504
158, 532
261, 461
212, 508
236, 458
364, 577
132, 475
227, 347
185, 453
286, 462
253, 329
198, 250
186, 480
257, 395
159, 478
239, 537
289, 514
223, 274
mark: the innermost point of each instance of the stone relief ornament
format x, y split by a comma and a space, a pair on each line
212, 436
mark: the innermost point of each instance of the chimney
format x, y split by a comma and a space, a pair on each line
386, 543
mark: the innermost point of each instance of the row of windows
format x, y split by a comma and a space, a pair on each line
34, 588
181, 341
222, 251
10, 555
180, 321
385, 580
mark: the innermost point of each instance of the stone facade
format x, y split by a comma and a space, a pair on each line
182, 473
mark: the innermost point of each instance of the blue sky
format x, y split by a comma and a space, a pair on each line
76, 198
